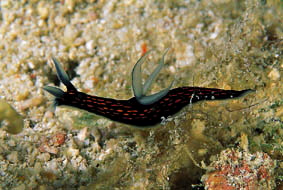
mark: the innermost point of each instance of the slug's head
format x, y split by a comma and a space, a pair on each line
64, 78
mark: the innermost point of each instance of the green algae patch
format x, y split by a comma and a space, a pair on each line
10, 120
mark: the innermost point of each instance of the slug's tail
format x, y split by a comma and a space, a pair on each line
64, 78
245, 92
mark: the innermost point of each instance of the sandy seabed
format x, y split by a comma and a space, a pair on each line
215, 44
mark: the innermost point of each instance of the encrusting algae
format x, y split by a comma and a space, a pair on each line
238, 169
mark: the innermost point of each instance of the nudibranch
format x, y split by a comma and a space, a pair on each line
140, 110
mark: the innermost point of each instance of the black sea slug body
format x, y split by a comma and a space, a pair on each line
140, 110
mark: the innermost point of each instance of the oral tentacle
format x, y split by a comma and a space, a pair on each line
57, 92
62, 75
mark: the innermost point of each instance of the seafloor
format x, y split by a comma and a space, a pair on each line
225, 44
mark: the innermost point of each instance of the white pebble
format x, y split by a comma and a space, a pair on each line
44, 157
90, 45
72, 152
83, 134
13, 157
274, 74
